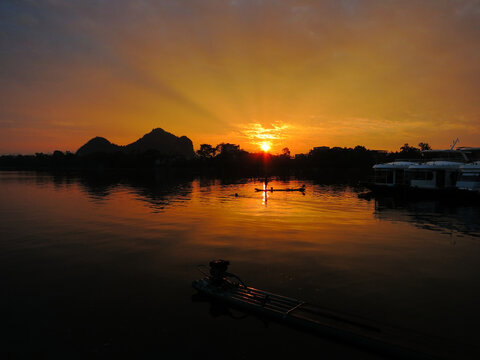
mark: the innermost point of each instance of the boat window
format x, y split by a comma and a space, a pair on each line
421, 175
470, 177
399, 176
384, 176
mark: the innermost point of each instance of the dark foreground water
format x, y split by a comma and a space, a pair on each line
106, 264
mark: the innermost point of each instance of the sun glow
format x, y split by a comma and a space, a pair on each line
265, 147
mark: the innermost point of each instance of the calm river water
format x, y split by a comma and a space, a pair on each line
106, 263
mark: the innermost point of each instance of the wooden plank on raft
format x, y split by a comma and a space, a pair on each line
394, 342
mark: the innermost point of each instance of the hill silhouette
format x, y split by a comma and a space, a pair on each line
157, 140
164, 152
98, 145
163, 142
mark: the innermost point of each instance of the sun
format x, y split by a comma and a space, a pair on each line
265, 147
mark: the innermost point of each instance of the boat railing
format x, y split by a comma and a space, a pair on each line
424, 160
409, 160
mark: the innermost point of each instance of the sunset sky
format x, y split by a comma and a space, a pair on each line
296, 73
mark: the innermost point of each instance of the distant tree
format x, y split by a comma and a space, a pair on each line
227, 148
409, 151
360, 148
286, 152
424, 146
407, 148
206, 151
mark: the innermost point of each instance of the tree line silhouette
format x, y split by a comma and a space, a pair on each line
225, 158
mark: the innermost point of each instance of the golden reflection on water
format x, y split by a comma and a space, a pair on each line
211, 213
327, 246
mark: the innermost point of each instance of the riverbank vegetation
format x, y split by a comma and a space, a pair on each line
224, 158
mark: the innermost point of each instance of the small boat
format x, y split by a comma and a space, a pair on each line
221, 286
302, 189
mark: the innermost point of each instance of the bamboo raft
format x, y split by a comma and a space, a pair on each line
383, 339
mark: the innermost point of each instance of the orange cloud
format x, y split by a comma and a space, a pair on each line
297, 73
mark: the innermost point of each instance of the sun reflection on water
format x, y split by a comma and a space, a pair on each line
265, 195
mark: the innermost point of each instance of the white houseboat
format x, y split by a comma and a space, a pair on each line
437, 170
469, 178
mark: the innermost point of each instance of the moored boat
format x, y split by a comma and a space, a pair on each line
469, 179
436, 173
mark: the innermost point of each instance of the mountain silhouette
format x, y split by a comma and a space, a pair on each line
158, 140
162, 141
98, 145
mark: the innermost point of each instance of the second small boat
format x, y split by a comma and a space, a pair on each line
302, 189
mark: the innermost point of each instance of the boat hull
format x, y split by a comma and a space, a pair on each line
410, 192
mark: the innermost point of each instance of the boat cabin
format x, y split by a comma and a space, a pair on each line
434, 174
469, 178
391, 174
